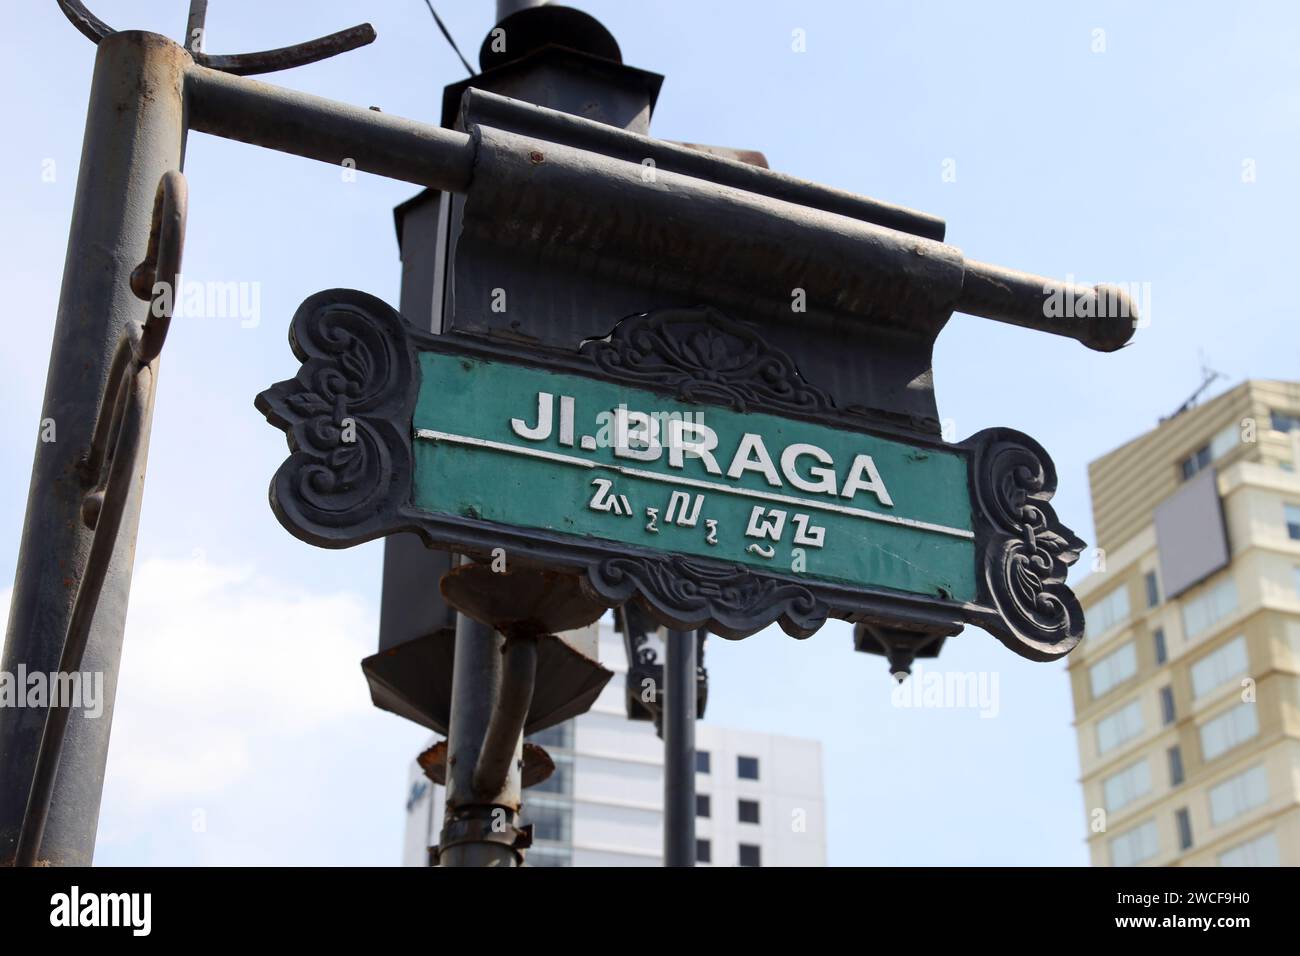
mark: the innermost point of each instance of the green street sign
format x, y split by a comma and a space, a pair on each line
679, 461
534, 448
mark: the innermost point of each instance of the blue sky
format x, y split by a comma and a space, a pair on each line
1124, 165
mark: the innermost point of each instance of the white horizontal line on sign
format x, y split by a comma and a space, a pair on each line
432, 435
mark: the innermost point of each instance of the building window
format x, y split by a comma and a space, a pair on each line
1219, 667
1136, 846
561, 781
1119, 727
1167, 712
703, 851
550, 856
1229, 729
1196, 461
1293, 521
1209, 607
1162, 652
1261, 851
1282, 422
750, 855
703, 807
1121, 789
1175, 766
747, 811
747, 768
550, 821
1108, 613
701, 761
1238, 795
1113, 669
1153, 589
1184, 821
560, 736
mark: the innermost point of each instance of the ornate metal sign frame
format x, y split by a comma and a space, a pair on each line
360, 368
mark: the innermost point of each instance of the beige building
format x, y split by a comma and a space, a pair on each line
1187, 686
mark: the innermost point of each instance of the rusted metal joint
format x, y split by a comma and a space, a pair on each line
483, 823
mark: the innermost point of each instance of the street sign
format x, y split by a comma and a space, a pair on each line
680, 460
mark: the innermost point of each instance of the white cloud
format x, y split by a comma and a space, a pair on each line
217, 659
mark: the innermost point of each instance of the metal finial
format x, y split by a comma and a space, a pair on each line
240, 64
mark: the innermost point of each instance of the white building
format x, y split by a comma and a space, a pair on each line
759, 797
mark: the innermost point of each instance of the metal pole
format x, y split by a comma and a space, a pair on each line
477, 827
135, 132
679, 749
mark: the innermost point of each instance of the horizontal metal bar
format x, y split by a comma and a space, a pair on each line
292, 122
1101, 317
503, 112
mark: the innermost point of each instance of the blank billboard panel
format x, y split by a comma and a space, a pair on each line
1190, 534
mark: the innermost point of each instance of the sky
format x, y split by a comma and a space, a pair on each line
1151, 143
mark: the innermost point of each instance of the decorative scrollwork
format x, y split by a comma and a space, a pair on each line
727, 599
340, 414
703, 356
1027, 551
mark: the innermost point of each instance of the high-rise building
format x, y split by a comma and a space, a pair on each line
1187, 686
759, 798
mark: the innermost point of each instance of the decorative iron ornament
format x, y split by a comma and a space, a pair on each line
699, 355
360, 371
239, 64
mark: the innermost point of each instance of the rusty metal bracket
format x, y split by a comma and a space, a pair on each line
240, 64
481, 823
109, 468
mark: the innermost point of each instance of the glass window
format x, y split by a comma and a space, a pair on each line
747, 811
549, 856
550, 820
703, 806
1293, 521
1282, 422
1153, 589
1113, 669
701, 761
750, 855
561, 781
1136, 846
1184, 821
747, 768
1197, 461
703, 851
1261, 851
1224, 442
561, 736
1220, 666
1122, 788
1239, 794
1175, 766
1209, 607
1229, 729
1108, 613
1167, 712
1120, 726
1162, 651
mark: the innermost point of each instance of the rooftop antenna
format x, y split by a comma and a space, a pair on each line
1208, 377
